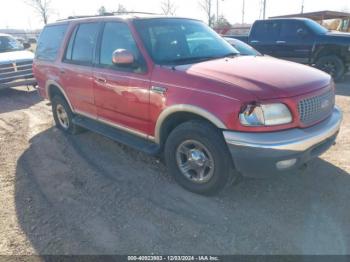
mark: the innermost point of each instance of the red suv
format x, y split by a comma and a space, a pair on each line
172, 86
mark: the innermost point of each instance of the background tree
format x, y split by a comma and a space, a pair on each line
102, 10
168, 7
222, 22
207, 6
121, 9
42, 8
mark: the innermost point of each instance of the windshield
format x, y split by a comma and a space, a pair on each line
8, 44
181, 41
316, 27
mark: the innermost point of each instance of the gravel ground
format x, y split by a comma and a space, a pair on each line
84, 194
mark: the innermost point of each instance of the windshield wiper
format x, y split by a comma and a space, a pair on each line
188, 60
196, 59
231, 54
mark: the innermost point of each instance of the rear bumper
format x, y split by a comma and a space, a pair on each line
260, 154
19, 82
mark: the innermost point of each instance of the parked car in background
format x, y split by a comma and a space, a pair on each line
15, 63
32, 40
304, 41
242, 48
20, 39
173, 86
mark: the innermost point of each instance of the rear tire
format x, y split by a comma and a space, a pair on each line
198, 158
63, 115
332, 65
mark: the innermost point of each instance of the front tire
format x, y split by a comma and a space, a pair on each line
332, 65
198, 158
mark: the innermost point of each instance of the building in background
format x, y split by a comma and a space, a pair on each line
333, 20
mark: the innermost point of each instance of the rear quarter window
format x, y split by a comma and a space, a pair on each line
266, 30
50, 41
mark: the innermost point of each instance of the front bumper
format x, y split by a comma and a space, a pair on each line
19, 82
260, 154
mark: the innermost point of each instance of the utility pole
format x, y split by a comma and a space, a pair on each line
302, 6
243, 10
264, 10
217, 11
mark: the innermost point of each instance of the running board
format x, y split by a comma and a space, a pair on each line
118, 135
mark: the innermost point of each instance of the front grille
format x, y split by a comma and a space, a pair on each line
316, 108
15, 71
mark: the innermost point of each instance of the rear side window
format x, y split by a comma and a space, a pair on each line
82, 44
266, 30
50, 41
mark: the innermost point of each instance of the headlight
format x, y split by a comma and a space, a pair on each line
265, 115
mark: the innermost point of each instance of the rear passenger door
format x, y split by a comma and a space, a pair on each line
76, 71
264, 36
121, 92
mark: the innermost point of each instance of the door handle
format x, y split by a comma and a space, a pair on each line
101, 80
62, 71
254, 41
281, 42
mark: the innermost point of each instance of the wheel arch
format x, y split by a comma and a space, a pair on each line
52, 88
178, 114
328, 50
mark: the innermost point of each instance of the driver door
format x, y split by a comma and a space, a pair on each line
121, 92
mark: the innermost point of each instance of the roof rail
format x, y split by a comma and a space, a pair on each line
107, 14
127, 13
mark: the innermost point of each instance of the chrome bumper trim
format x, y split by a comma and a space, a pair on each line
296, 139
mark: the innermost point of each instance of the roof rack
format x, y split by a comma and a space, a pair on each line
107, 14
131, 12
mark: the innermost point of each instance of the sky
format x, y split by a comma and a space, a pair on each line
17, 14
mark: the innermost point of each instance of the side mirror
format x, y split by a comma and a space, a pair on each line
26, 45
301, 32
123, 57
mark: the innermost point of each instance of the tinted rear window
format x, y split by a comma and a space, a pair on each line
50, 41
82, 43
266, 30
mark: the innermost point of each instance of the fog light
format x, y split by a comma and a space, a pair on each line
286, 163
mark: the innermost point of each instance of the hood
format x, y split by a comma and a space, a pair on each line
263, 77
337, 33
337, 37
16, 56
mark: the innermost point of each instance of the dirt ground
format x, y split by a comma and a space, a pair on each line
84, 194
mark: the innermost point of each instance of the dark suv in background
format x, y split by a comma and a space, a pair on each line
304, 41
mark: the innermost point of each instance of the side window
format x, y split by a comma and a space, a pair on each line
266, 30
50, 41
69, 50
81, 46
289, 29
117, 35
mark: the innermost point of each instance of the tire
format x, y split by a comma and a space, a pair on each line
59, 104
215, 151
332, 65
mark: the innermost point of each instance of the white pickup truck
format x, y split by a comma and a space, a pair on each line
15, 63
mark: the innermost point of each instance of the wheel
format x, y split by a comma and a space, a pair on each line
198, 158
332, 65
63, 115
